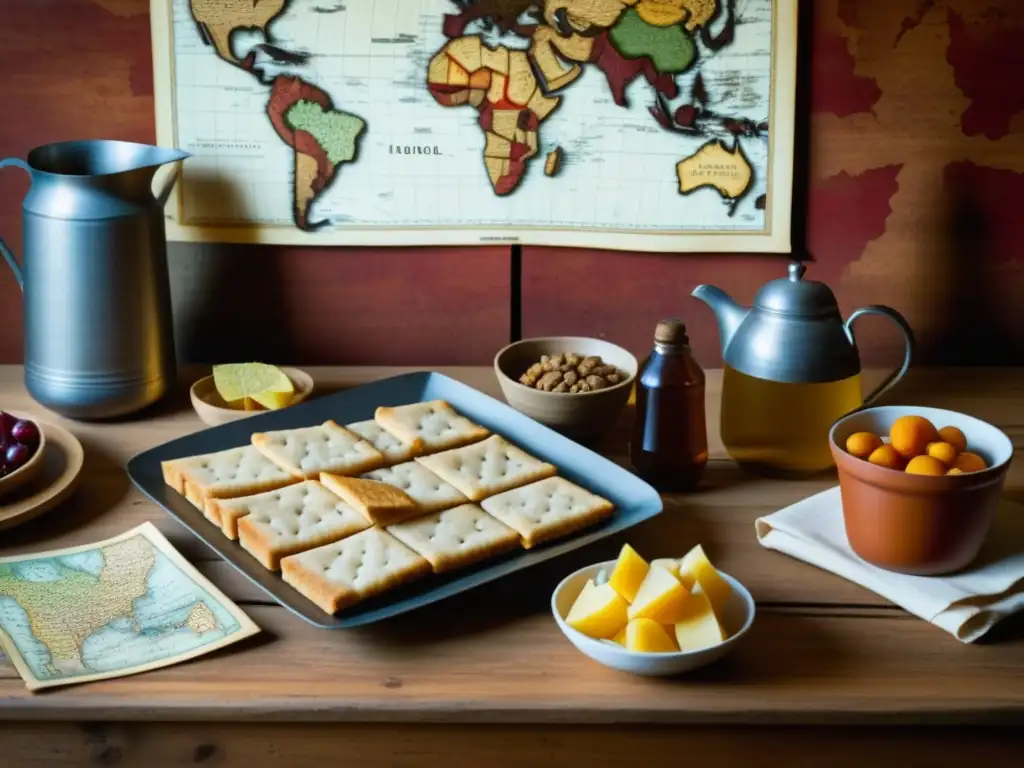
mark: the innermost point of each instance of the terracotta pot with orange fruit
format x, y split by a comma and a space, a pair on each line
920, 486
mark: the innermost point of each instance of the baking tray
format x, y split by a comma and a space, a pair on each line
634, 499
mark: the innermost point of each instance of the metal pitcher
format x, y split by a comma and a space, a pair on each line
97, 307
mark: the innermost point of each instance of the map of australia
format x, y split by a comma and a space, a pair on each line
647, 116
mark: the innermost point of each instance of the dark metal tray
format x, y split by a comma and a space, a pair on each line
634, 499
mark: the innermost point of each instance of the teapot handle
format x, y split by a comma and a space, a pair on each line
908, 339
4, 250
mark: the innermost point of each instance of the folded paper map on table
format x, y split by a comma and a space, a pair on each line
117, 607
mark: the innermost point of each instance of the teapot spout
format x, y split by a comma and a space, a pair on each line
728, 313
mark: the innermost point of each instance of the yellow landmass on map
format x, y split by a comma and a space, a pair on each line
584, 14
306, 170
666, 13
715, 165
219, 18
553, 54
553, 162
65, 612
201, 619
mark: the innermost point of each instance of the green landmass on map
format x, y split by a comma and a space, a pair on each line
671, 49
335, 131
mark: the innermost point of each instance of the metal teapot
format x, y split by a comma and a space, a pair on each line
791, 369
97, 312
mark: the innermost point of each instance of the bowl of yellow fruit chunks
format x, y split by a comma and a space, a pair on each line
920, 486
238, 390
660, 618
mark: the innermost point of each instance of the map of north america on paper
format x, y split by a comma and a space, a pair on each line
599, 114
113, 608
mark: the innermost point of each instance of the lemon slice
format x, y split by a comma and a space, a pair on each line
240, 383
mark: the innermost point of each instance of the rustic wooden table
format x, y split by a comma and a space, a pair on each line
486, 678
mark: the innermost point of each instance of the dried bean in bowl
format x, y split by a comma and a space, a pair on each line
571, 373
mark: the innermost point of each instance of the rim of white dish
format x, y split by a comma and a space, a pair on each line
616, 648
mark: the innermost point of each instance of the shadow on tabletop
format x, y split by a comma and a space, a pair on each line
1009, 630
103, 484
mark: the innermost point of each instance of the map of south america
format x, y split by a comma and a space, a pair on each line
303, 115
323, 138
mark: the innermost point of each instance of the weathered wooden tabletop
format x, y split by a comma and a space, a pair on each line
490, 667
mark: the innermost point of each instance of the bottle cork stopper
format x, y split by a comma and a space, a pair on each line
671, 331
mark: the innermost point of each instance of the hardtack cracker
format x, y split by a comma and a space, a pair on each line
235, 472
488, 467
379, 503
429, 427
547, 509
391, 448
328, 447
456, 537
339, 575
304, 516
430, 492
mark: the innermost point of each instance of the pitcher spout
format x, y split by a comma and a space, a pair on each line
102, 157
165, 155
728, 313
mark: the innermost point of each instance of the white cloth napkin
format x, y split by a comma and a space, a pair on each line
966, 604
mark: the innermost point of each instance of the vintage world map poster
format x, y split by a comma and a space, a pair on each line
659, 125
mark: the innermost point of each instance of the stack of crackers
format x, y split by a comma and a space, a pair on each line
347, 512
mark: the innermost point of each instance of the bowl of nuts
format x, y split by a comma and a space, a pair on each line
575, 385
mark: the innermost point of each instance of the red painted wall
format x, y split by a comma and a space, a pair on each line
909, 182
912, 171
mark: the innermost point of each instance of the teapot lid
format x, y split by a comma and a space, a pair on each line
793, 295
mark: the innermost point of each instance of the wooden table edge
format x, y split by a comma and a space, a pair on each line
889, 713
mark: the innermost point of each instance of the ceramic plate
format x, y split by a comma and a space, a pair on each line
62, 464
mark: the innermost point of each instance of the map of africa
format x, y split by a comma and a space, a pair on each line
109, 609
645, 124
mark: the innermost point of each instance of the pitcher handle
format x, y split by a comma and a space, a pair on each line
908, 339
4, 250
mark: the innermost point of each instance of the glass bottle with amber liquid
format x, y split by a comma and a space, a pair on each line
669, 448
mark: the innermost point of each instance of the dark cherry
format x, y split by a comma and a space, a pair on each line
17, 455
7, 423
26, 433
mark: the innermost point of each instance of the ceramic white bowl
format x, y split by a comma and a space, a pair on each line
737, 619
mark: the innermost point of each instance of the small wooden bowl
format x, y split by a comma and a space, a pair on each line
214, 411
29, 471
585, 417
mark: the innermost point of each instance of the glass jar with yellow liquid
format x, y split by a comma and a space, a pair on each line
791, 370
